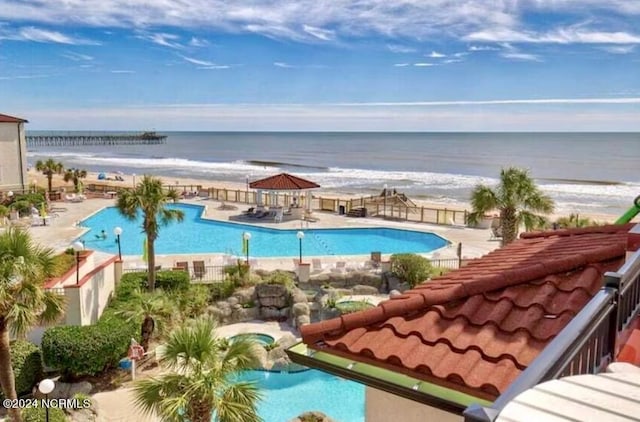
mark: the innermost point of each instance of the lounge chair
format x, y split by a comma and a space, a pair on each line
496, 229
341, 267
249, 212
199, 269
74, 198
203, 194
278, 216
316, 265
182, 265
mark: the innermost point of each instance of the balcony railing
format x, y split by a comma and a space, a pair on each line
207, 275
586, 345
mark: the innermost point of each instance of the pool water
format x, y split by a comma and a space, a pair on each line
287, 395
261, 339
197, 235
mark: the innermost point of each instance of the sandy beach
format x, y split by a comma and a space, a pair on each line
128, 180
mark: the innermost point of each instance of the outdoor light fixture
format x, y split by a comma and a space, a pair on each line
385, 200
46, 386
247, 237
134, 180
118, 231
300, 236
78, 247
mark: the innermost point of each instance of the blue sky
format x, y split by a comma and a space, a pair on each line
434, 65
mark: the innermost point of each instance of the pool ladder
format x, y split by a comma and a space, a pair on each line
323, 243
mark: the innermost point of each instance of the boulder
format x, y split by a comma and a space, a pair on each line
245, 314
271, 290
394, 293
277, 353
273, 301
281, 364
364, 290
232, 301
300, 309
298, 296
244, 296
302, 320
269, 313
287, 341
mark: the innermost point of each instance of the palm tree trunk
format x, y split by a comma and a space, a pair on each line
7, 379
151, 263
146, 331
199, 411
50, 181
509, 225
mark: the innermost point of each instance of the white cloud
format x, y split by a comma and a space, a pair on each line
123, 71
77, 57
397, 48
569, 35
215, 67
323, 34
163, 39
198, 42
283, 65
436, 55
198, 62
482, 48
38, 76
31, 33
513, 53
423, 64
619, 49
401, 64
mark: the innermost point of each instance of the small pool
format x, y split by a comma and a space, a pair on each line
286, 395
262, 339
197, 235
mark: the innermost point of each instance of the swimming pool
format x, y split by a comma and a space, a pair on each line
197, 235
288, 394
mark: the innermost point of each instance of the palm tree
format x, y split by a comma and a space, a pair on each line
517, 198
573, 221
149, 197
75, 175
202, 378
24, 266
151, 309
49, 168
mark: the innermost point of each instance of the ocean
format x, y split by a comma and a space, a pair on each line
583, 172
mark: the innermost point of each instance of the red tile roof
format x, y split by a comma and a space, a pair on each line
10, 119
283, 181
476, 329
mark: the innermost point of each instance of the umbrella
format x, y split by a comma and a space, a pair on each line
102, 176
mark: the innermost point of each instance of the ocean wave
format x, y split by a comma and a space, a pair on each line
279, 164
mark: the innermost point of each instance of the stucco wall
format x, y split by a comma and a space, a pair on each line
13, 160
385, 407
86, 303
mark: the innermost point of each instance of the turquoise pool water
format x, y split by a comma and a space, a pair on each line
286, 395
261, 339
197, 235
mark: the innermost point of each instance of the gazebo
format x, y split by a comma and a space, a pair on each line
285, 182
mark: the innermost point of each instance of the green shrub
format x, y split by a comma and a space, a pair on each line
238, 274
26, 361
165, 280
88, 350
39, 414
23, 207
62, 264
281, 277
351, 307
411, 268
192, 302
4, 211
222, 290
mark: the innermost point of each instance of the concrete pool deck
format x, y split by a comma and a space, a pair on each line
62, 230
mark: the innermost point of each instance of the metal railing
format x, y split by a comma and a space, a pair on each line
585, 346
206, 275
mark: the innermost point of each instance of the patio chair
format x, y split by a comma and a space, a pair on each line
341, 267
182, 265
278, 216
199, 269
496, 230
316, 265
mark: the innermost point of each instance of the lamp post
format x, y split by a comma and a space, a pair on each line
247, 191
385, 200
46, 386
300, 236
134, 180
118, 231
10, 194
77, 247
247, 237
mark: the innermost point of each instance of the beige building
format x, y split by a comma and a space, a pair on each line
13, 154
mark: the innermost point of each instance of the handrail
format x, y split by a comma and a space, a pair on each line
566, 354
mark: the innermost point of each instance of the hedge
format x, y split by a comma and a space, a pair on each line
90, 349
166, 280
26, 361
412, 268
39, 414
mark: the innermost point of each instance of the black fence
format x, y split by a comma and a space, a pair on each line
199, 275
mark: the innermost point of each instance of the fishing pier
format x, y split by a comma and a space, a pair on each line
146, 138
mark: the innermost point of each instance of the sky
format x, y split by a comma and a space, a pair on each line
380, 65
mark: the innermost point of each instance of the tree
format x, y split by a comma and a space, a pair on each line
75, 175
24, 266
203, 378
149, 198
151, 310
49, 168
517, 198
410, 267
573, 221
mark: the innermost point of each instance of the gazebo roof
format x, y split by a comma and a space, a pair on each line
283, 181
